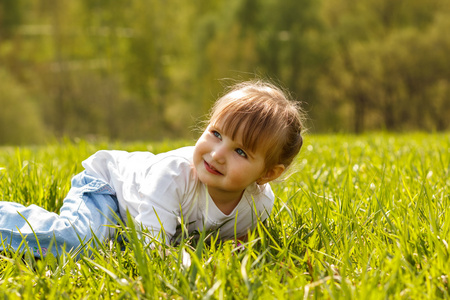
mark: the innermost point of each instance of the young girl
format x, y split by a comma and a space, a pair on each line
253, 135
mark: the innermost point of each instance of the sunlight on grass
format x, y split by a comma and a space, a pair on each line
365, 217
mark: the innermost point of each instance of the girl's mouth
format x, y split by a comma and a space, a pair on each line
211, 169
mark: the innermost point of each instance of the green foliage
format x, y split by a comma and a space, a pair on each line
365, 217
390, 79
20, 118
149, 69
11, 14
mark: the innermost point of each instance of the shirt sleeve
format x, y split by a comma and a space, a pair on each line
161, 195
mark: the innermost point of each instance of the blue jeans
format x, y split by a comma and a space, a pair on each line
89, 206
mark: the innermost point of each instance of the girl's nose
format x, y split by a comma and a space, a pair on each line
218, 154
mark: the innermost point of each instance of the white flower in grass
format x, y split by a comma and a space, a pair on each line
186, 259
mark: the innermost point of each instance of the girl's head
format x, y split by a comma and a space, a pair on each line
264, 117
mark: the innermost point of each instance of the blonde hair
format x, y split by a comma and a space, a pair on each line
267, 117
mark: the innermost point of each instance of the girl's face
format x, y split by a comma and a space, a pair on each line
224, 165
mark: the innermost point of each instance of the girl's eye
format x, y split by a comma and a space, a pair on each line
216, 134
241, 152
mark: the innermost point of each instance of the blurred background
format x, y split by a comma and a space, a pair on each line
136, 69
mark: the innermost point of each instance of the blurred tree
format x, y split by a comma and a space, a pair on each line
288, 46
377, 54
20, 118
399, 82
244, 39
218, 51
147, 69
104, 24
152, 66
11, 16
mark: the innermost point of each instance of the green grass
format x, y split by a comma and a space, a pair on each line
365, 217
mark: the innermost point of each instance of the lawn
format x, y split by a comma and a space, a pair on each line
363, 217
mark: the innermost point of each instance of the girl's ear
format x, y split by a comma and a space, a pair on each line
271, 174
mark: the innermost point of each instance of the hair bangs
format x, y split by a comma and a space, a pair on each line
248, 122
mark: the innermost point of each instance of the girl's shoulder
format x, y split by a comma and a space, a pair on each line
106, 163
178, 158
184, 153
119, 157
176, 164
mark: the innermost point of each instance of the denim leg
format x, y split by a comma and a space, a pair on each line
89, 206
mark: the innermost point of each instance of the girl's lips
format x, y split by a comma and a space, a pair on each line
211, 169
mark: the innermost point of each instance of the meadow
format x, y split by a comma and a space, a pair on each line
364, 217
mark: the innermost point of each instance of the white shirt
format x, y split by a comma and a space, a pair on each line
165, 187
